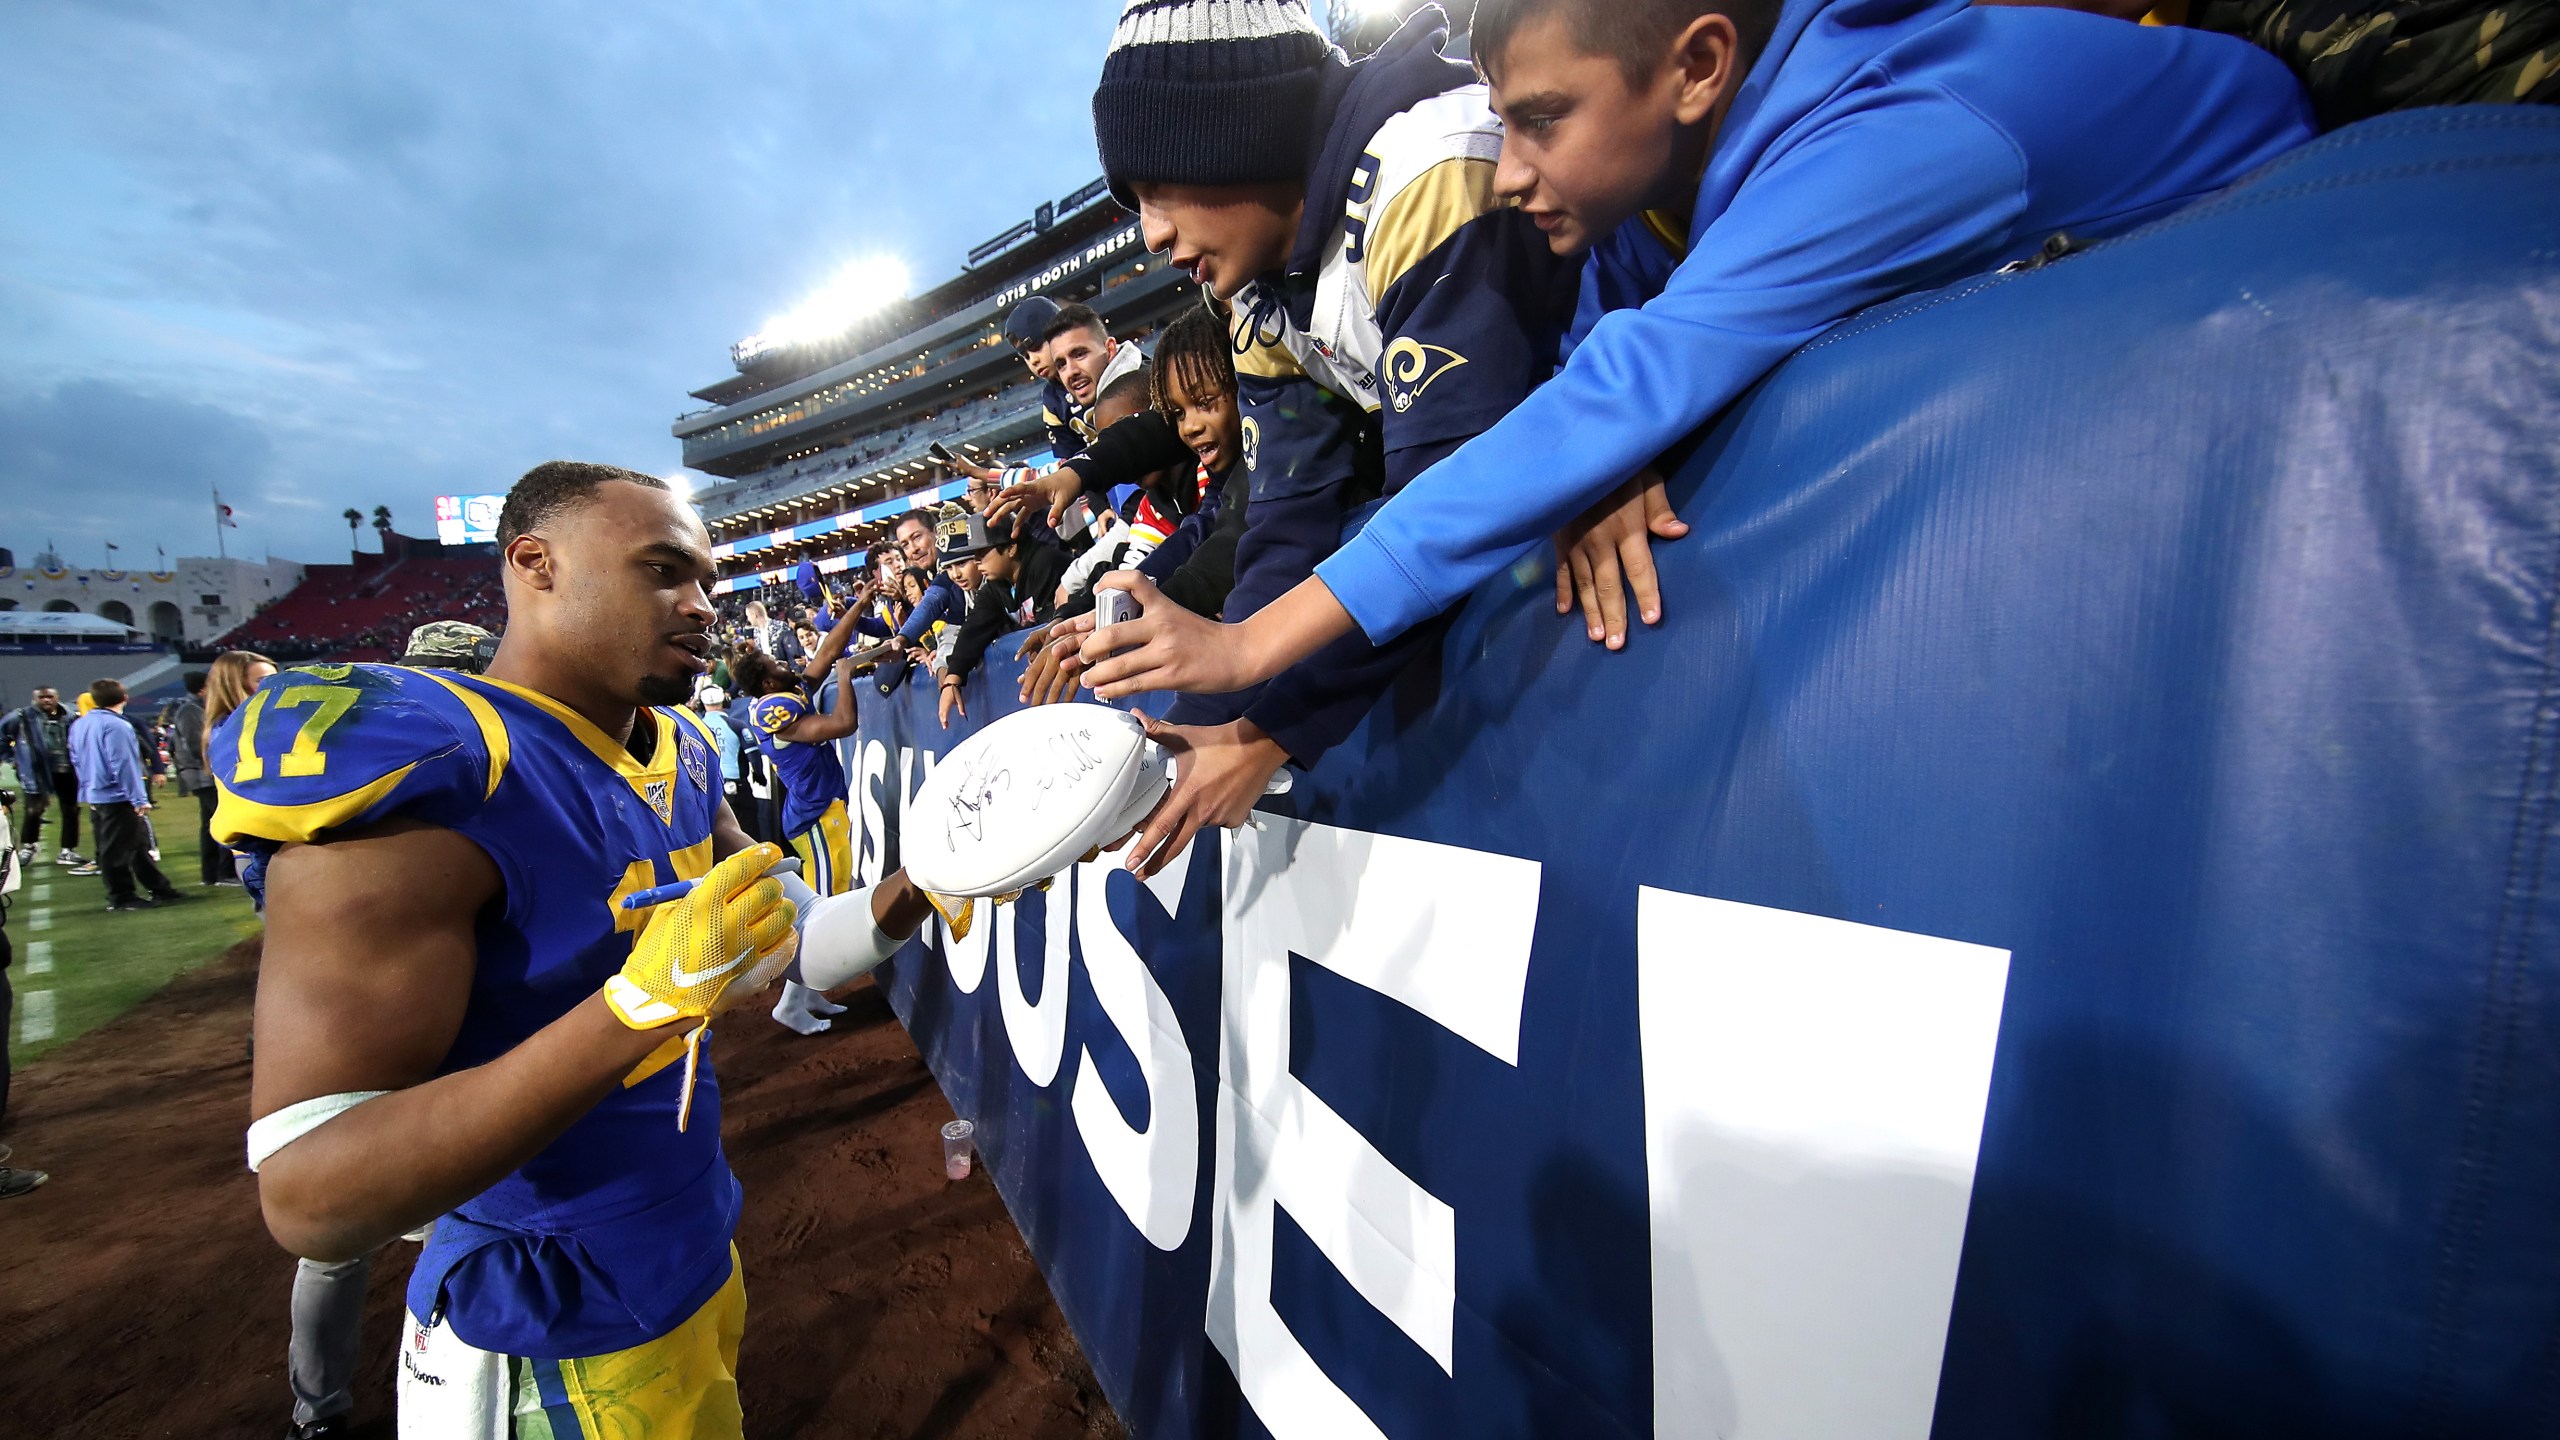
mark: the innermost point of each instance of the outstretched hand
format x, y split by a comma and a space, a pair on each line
1165, 648
1058, 489
1608, 550
1219, 772
1051, 675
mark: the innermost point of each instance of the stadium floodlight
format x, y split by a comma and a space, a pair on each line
861, 289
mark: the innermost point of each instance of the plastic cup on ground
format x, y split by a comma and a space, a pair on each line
957, 1142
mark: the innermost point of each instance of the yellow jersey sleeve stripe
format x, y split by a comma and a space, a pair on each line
493, 728
1419, 218
236, 817
1673, 238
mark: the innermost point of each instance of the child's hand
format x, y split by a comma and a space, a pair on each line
1612, 543
1165, 648
1058, 489
1051, 675
1219, 772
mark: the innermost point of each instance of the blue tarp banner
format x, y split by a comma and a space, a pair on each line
2044, 940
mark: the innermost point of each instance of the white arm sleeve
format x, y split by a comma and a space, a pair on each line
839, 941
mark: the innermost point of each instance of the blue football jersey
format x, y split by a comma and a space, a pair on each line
620, 1228
812, 775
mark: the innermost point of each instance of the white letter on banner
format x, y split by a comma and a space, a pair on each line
1442, 930
873, 861
1038, 1033
1152, 1172
1813, 1096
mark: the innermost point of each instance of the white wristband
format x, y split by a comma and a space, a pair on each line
269, 1135
840, 942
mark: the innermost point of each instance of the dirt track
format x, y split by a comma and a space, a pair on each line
140, 1296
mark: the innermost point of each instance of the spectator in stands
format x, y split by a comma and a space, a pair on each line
1883, 151
1083, 358
1021, 576
39, 740
711, 703
186, 742
1195, 410
771, 636
940, 602
107, 751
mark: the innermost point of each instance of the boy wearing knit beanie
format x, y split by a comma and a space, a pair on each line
1387, 306
1743, 174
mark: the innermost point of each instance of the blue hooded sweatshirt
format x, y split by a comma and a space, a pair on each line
1876, 147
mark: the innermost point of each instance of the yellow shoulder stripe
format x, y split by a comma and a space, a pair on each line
236, 817
701, 727
1417, 219
493, 729
1673, 238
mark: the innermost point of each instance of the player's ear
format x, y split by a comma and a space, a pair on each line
529, 560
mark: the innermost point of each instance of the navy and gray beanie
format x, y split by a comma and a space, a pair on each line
1209, 92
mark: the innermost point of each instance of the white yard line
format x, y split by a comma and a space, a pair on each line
35, 1016
39, 957
39, 919
40, 890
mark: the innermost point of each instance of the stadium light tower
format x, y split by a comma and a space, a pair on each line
862, 288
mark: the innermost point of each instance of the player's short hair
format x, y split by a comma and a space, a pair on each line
1197, 350
1136, 389
757, 673
1078, 316
555, 487
106, 693
1632, 32
195, 682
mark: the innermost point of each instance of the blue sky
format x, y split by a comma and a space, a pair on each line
324, 255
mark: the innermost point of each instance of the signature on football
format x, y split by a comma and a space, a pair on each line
1071, 761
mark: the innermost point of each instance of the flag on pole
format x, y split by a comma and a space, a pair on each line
222, 513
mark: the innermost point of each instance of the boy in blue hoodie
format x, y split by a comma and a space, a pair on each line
1742, 179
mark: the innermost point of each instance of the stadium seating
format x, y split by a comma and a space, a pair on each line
365, 609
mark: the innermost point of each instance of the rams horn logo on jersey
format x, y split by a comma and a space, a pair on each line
661, 800
1409, 367
1252, 442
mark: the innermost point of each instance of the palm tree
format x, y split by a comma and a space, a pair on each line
382, 526
354, 518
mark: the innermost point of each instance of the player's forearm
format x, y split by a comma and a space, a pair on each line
395, 1162
833, 646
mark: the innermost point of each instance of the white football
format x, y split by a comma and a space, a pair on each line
1026, 797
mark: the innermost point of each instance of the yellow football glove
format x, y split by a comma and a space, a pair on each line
711, 949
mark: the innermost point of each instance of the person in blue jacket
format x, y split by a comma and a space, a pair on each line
1742, 178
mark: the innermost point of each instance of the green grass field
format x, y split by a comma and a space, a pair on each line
77, 966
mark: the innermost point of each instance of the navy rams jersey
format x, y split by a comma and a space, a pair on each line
812, 775
621, 1226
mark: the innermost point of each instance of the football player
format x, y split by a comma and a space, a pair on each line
461, 1020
